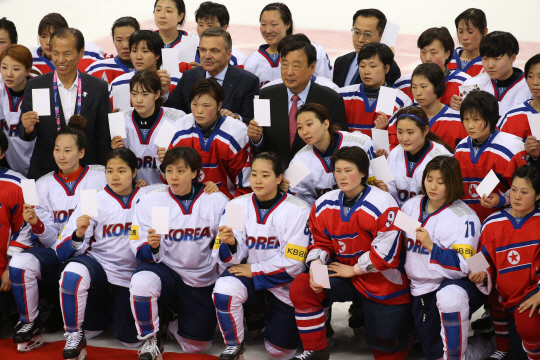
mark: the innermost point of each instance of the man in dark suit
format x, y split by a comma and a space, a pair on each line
239, 85
298, 60
67, 47
368, 26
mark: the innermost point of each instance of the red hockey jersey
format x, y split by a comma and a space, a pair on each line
516, 120
472, 68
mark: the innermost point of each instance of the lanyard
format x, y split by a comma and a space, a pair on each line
56, 101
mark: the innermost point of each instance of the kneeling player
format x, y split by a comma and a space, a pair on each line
98, 262
178, 270
355, 226
274, 240
443, 297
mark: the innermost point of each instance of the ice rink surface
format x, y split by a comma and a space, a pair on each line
325, 22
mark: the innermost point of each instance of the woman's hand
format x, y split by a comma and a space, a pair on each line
381, 122
165, 81
532, 147
6, 283
381, 152
254, 131
455, 102
490, 201
341, 270
29, 120
381, 185
423, 236
140, 183
153, 239
478, 277
161, 153
314, 286
284, 185
29, 214
226, 235
117, 142
83, 222
533, 302
241, 270
225, 112
210, 187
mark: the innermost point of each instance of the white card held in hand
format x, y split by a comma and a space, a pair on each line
477, 262
41, 102
380, 140
320, 275
261, 109
160, 219
117, 126
234, 216
170, 61
296, 173
187, 48
165, 135
121, 97
89, 203
29, 192
466, 89
390, 34
534, 124
488, 184
386, 100
381, 169
406, 223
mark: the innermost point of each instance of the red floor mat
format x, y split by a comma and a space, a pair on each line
53, 350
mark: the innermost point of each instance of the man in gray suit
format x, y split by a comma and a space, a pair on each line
298, 60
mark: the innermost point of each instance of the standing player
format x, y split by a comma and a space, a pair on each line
471, 26
143, 122
427, 87
417, 147
15, 68
443, 298
322, 140
274, 240
436, 46
42, 54
275, 23
98, 263
37, 268
222, 141
510, 244
506, 83
354, 226
168, 16
8, 35
110, 68
360, 100
145, 54
178, 269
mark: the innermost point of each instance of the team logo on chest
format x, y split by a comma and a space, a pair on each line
342, 247
327, 161
472, 191
513, 257
201, 176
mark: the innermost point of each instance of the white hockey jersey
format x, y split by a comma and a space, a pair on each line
58, 199
316, 79
193, 224
455, 232
321, 179
107, 237
141, 142
19, 151
408, 182
274, 241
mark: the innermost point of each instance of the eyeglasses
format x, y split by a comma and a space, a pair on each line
367, 35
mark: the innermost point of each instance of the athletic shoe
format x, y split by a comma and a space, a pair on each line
323, 354
152, 348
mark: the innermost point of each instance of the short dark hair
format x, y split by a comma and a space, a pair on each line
52, 20
189, 155
125, 21
451, 173
149, 81
210, 10
309, 50
278, 166
432, 72
443, 35
218, 32
530, 63
355, 155
474, 17
9, 26
321, 114
284, 13
127, 156
207, 87
181, 9
483, 105
369, 50
291, 38
376, 13
75, 127
499, 43
530, 173
153, 41
62, 33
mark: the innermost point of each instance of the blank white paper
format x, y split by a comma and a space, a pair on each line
488, 184
29, 192
234, 216
534, 124
41, 102
187, 48
89, 203
320, 275
261, 109
165, 135
390, 34
117, 126
406, 223
380, 140
160, 219
381, 169
170, 61
296, 173
386, 100
477, 262
121, 97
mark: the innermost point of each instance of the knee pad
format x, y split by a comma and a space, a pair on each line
193, 346
145, 283
278, 353
231, 286
28, 262
453, 298
75, 272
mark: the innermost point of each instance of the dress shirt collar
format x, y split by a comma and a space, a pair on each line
219, 77
303, 95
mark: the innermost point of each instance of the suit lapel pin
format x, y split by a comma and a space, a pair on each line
84, 93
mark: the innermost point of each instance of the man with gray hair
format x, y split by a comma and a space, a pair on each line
240, 86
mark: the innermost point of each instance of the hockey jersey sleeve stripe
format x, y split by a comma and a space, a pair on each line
144, 253
65, 250
504, 150
230, 138
93, 55
267, 281
225, 254
517, 245
447, 258
340, 237
325, 203
389, 296
372, 208
392, 251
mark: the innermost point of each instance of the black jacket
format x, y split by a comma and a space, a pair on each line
341, 68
